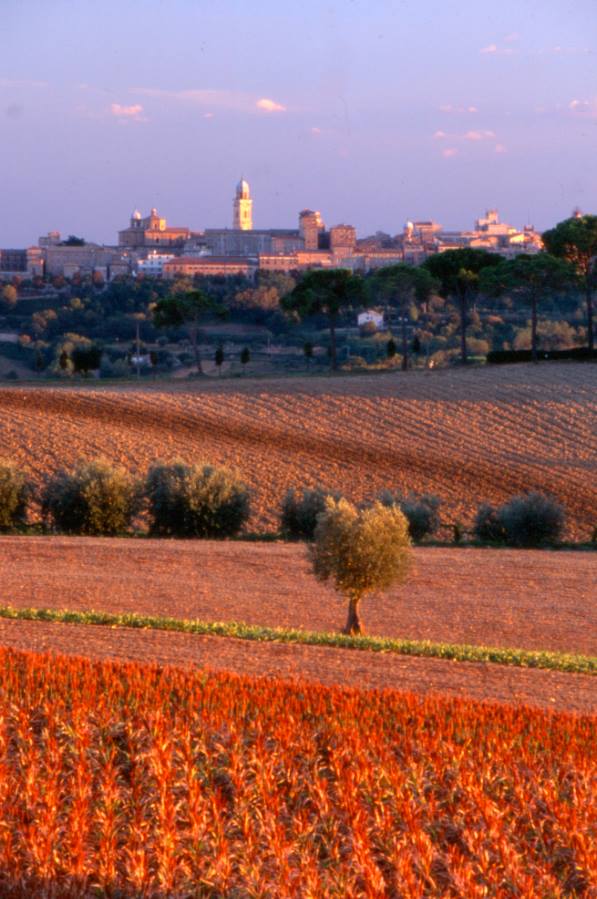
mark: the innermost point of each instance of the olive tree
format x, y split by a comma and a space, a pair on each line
15, 492
360, 551
96, 498
195, 501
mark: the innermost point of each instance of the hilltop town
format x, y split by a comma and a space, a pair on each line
151, 246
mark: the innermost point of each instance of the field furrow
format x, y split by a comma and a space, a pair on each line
469, 436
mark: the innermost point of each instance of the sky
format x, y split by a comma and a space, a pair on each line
374, 112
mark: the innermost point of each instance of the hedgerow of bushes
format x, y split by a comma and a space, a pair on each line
202, 501
15, 491
195, 501
94, 499
527, 520
300, 509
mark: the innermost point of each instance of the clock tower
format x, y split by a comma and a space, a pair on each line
243, 207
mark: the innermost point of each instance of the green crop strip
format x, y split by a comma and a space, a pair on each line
521, 658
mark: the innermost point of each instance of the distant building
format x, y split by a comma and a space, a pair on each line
189, 266
51, 239
234, 242
152, 231
311, 228
370, 316
343, 239
423, 238
86, 260
25, 263
153, 264
423, 232
491, 225
242, 214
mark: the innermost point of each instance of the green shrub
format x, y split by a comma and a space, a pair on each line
195, 501
489, 525
421, 511
300, 509
96, 498
532, 519
14, 496
360, 551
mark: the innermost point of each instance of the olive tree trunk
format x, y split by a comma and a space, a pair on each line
534, 327
194, 334
404, 339
463, 326
333, 347
353, 622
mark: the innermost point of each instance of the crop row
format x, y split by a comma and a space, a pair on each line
140, 781
467, 440
97, 498
458, 652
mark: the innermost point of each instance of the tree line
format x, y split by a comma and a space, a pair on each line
566, 265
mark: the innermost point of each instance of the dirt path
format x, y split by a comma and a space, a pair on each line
510, 598
549, 689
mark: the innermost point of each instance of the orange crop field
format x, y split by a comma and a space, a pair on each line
519, 599
129, 781
475, 435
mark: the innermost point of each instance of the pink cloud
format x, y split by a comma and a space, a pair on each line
451, 108
268, 105
479, 135
500, 148
585, 108
449, 152
498, 51
126, 112
439, 135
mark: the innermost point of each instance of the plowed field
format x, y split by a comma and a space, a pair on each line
469, 436
508, 598
525, 599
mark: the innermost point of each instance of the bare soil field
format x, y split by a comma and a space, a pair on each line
473, 435
508, 598
325, 665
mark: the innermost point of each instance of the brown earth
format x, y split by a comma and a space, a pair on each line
326, 665
542, 600
511, 598
474, 435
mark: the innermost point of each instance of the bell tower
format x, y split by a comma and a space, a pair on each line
242, 219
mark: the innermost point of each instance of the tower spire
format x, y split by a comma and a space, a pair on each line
242, 219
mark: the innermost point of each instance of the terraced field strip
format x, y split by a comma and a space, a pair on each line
527, 599
554, 661
558, 690
470, 436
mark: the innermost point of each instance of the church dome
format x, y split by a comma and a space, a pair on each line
242, 189
136, 214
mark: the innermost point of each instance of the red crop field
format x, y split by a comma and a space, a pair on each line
469, 436
131, 780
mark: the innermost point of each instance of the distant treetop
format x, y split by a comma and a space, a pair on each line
73, 241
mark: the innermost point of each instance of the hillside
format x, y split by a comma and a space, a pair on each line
473, 435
